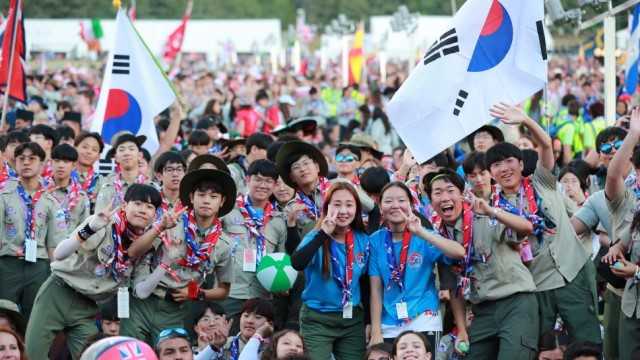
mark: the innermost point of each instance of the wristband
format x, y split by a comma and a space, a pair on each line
85, 232
193, 290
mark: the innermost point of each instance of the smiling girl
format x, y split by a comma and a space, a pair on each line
334, 256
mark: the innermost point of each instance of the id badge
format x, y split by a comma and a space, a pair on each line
347, 310
123, 303
31, 250
402, 310
249, 260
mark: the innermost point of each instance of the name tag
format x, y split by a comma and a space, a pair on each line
402, 310
31, 250
123, 303
347, 310
249, 260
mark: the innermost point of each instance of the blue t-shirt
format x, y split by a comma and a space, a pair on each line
419, 287
324, 294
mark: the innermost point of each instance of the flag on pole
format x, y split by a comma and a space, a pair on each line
134, 89
12, 57
91, 32
174, 42
356, 56
633, 52
494, 51
133, 11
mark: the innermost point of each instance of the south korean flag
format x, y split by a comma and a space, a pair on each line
495, 51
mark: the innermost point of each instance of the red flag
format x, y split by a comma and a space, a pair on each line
174, 41
13, 51
132, 11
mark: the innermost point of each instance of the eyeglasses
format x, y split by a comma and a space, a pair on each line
608, 147
172, 333
346, 158
177, 169
301, 165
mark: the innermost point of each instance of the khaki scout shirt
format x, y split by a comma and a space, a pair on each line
82, 177
498, 271
87, 270
304, 223
60, 226
220, 262
245, 283
13, 224
239, 177
562, 255
623, 210
107, 193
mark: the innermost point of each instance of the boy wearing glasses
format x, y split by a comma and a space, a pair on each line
256, 229
608, 142
170, 168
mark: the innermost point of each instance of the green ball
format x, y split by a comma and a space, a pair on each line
275, 272
463, 347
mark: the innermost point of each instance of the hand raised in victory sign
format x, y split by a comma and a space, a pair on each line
102, 218
170, 219
329, 223
413, 222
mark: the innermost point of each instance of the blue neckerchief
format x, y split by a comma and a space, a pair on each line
396, 271
235, 348
310, 204
338, 275
28, 211
258, 222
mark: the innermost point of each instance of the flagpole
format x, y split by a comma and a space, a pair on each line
5, 103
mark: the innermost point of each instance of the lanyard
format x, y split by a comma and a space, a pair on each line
255, 223
343, 280
198, 253
467, 237
397, 271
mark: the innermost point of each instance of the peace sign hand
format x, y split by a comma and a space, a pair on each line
102, 218
329, 223
413, 222
170, 219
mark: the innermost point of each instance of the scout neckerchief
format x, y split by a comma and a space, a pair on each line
118, 184
165, 205
6, 174
47, 174
534, 215
397, 271
466, 267
343, 279
311, 208
70, 200
355, 180
120, 261
198, 253
29, 202
234, 349
255, 223
89, 183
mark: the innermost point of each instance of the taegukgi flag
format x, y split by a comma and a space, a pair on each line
134, 89
494, 51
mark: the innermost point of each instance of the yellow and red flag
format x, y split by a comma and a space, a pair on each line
356, 56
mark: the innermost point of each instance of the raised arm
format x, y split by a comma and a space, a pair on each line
512, 115
448, 247
519, 224
614, 186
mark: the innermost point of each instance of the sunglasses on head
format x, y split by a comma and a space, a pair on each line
346, 158
172, 333
608, 147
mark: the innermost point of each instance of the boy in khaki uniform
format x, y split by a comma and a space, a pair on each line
256, 229
565, 283
89, 267
65, 197
24, 251
125, 151
492, 276
623, 204
195, 248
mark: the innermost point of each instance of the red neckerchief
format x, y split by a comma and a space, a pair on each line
355, 180
467, 235
165, 204
47, 171
199, 252
241, 203
120, 261
118, 183
397, 272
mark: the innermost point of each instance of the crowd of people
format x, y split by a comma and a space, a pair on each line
519, 242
